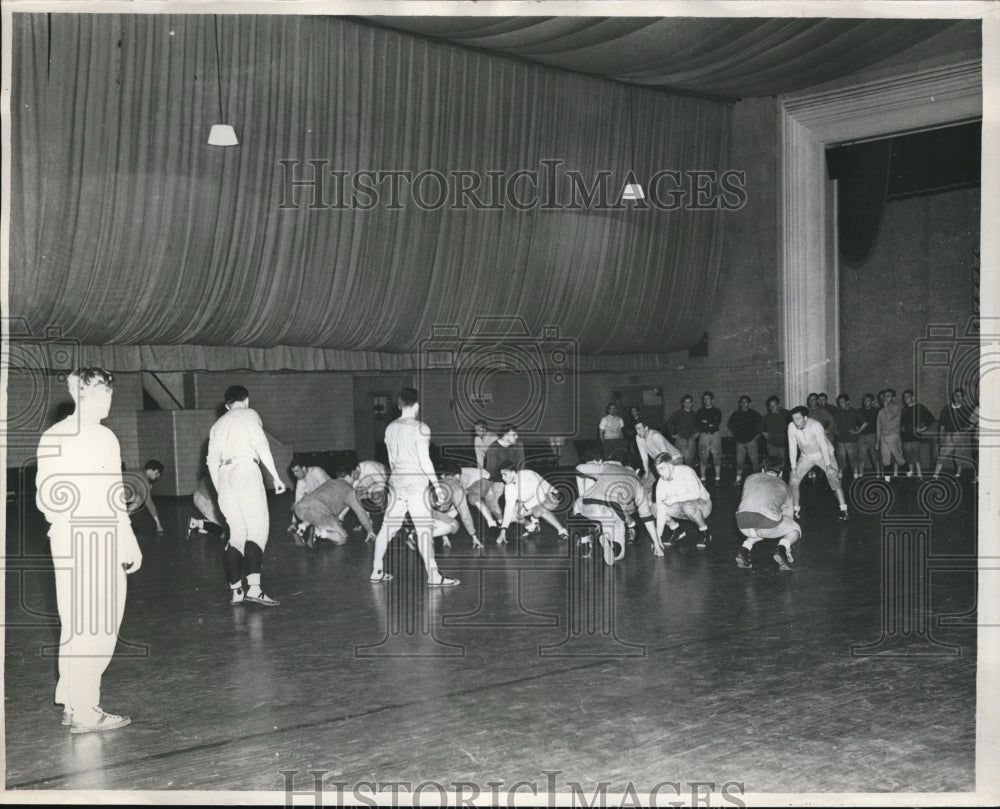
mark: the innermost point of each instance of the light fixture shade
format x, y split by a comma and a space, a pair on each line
222, 135
633, 191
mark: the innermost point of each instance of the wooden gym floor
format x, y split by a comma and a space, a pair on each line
678, 669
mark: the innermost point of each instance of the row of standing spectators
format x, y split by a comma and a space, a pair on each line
882, 432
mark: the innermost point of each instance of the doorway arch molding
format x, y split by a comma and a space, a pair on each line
808, 123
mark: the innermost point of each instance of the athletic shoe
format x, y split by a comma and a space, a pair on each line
781, 557
704, 539
743, 559
103, 721
531, 528
237, 596
675, 536
264, 600
842, 517
563, 536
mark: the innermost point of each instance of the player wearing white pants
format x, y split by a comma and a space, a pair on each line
765, 512
809, 447
81, 493
411, 477
236, 443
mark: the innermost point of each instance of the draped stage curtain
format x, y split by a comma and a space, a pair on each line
136, 239
740, 57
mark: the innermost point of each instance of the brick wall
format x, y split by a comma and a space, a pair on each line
918, 275
34, 399
310, 412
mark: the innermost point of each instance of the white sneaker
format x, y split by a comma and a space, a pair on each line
101, 720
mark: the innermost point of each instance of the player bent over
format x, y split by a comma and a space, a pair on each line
450, 502
528, 495
765, 512
680, 495
322, 509
480, 493
610, 494
808, 446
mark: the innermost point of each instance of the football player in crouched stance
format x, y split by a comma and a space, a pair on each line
765, 512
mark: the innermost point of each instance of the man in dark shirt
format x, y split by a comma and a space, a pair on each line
505, 448
867, 435
682, 427
953, 423
913, 424
829, 407
708, 419
774, 426
848, 420
744, 425
823, 416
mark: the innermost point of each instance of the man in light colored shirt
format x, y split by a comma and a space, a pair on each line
651, 444
680, 494
81, 493
610, 434
809, 447
236, 444
887, 426
482, 440
407, 441
765, 512
528, 494
610, 493
307, 480
451, 505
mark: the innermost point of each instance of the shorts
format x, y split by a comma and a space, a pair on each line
892, 449
782, 529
